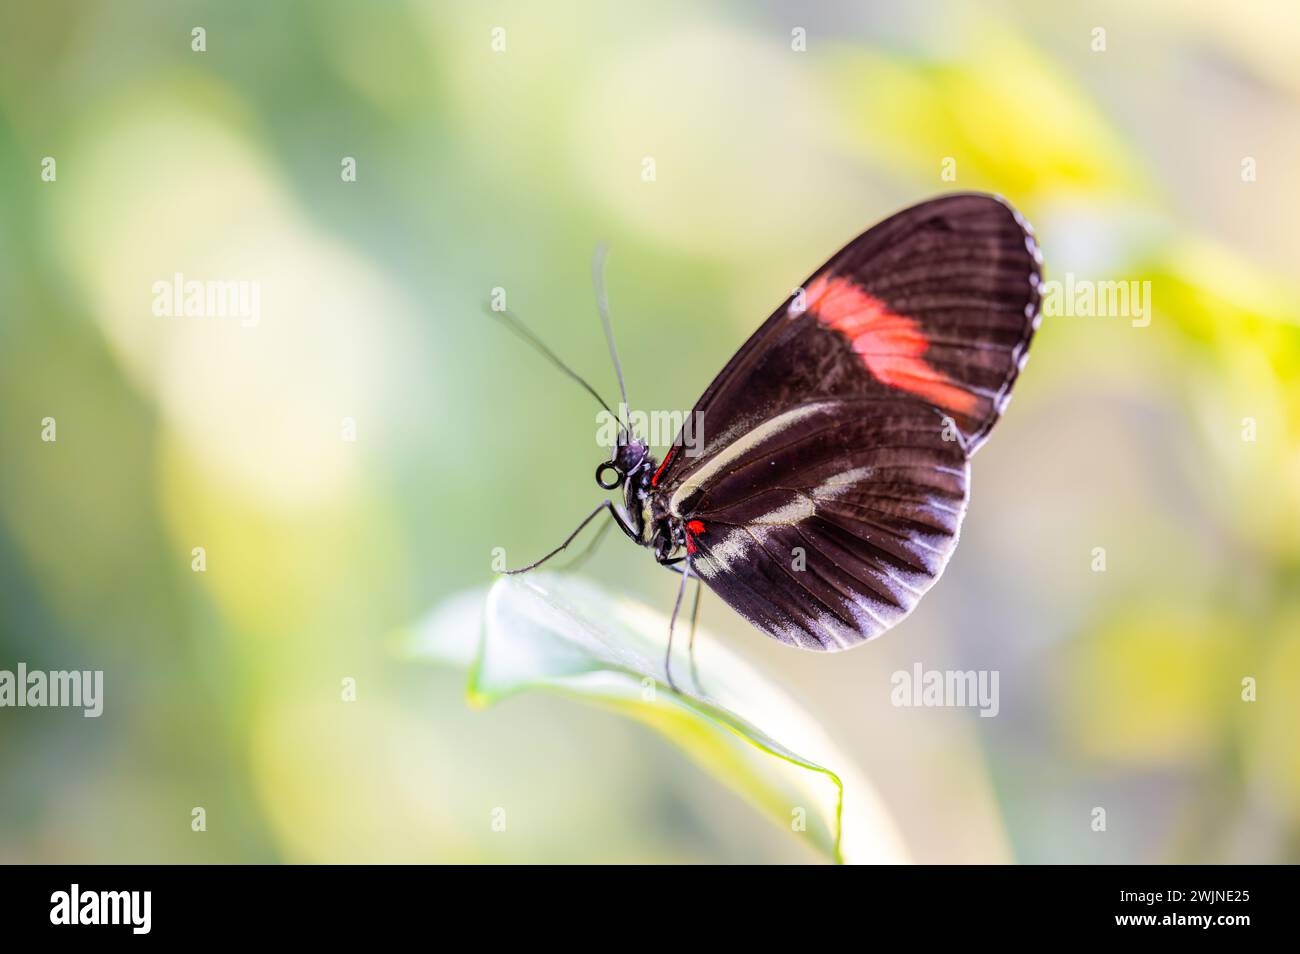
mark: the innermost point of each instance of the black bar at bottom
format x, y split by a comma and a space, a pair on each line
135, 904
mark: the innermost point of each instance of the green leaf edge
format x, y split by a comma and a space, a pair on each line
478, 697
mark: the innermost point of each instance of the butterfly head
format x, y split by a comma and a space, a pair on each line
629, 455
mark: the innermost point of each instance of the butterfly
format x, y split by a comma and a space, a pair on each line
827, 490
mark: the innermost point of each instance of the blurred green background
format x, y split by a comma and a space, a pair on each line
480, 168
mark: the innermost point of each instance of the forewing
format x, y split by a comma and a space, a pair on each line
937, 304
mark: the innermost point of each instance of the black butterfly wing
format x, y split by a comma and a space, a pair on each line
834, 467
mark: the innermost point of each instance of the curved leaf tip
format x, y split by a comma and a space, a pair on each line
565, 634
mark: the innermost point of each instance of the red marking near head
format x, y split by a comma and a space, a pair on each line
654, 481
694, 528
890, 345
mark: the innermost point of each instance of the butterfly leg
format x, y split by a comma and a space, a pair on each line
690, 645
606, 505
589, 549
672, 624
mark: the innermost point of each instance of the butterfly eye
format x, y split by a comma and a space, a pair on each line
628, 456
617, 479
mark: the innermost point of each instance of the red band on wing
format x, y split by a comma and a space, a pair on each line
654, 481
890, 345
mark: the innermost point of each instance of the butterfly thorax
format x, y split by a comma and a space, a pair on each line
655, 525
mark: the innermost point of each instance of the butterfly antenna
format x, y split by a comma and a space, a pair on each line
516, 324
602, 305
